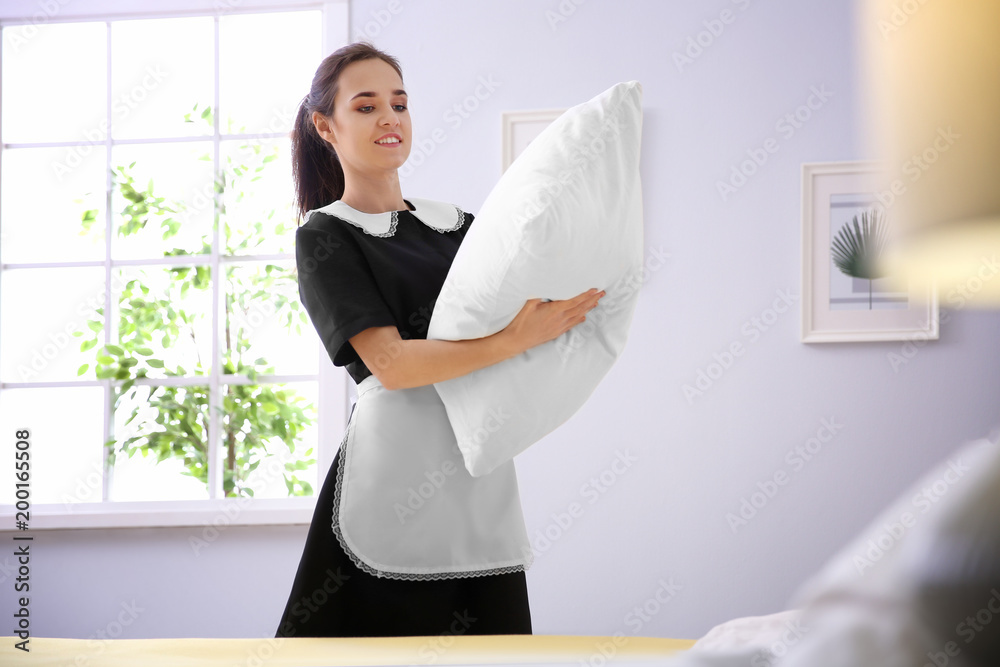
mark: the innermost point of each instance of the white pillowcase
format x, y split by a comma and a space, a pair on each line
864, 607
565, 216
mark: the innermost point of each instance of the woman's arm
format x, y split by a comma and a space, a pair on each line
400, 364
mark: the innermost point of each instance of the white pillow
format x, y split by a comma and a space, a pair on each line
565, 216
865, 606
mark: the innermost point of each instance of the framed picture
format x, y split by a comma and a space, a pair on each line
846, 212
519, 128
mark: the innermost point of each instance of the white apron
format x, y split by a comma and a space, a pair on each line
405, 506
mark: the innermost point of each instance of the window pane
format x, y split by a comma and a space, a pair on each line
42, 222
43, 63
161, 69
43, 309
259, 217
161, 454
165, 319
266, 65
66, 434
266, 328
162, 78
269, 440
163, 199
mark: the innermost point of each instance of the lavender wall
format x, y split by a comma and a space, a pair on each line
653, 531
733, 264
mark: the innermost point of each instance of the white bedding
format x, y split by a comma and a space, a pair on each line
870, 606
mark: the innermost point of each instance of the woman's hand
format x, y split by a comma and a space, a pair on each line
540, 321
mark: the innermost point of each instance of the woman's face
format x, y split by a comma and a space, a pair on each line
370, 108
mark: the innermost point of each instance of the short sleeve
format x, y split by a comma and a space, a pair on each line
338, 290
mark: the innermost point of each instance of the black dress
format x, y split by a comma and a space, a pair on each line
359, 271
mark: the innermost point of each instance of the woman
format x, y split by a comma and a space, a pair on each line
379, 562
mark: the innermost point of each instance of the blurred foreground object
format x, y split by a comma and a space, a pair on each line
931, 77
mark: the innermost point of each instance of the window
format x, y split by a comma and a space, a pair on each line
151, 337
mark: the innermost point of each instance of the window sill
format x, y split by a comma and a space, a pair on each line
163, 514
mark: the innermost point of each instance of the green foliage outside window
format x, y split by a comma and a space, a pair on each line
251, 414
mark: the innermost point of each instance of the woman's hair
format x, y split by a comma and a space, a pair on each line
319, 178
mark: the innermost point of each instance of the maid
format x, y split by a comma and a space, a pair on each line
403, 540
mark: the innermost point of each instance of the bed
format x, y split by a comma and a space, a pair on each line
920, 585
309, 651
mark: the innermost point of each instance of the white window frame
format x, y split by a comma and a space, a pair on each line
335, 386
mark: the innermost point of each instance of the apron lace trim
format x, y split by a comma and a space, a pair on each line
412, 576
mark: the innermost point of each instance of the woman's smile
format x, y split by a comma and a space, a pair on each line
391, 140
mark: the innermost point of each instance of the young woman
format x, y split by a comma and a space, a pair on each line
403, 540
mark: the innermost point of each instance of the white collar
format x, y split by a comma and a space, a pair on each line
440, 216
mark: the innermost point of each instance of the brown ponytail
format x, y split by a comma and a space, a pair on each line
316, 170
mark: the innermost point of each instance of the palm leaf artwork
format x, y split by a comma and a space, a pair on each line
856, 251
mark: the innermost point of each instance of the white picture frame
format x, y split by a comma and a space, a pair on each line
837, 308
519, 128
